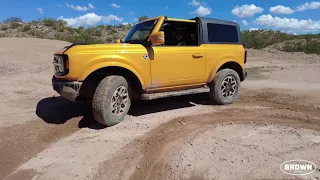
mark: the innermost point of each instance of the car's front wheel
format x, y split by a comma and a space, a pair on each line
112, 100
224, 89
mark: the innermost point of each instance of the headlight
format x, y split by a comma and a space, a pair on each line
60, 64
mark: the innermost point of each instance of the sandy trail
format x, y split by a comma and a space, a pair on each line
276, 118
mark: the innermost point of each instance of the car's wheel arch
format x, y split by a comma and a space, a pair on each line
228, 64
93, 75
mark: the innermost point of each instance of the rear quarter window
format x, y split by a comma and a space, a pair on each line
221, 33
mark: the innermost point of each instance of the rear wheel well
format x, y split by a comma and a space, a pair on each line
234, 66
91, 82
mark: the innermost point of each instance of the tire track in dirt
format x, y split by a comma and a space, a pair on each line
143, 157
58, 118
163, 140
19, 143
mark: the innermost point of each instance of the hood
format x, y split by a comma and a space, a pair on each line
64, 49
70, 46
93, 48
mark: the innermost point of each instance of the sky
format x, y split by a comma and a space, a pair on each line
292, 16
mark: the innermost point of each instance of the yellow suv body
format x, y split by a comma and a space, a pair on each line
158, 55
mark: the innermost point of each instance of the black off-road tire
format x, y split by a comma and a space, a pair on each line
216, 94
102, 98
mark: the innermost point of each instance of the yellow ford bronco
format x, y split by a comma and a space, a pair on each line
158, 56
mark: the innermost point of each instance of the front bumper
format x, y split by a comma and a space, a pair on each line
67, 89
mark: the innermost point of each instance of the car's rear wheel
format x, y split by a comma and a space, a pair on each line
224, 89
112, 100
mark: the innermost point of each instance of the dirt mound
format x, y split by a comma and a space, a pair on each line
58, 30
310, 45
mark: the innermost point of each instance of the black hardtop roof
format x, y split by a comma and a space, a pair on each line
213, 20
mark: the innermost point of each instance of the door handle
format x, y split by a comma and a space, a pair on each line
197, 55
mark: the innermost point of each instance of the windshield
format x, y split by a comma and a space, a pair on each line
140, 32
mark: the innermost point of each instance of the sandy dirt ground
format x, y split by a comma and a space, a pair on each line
43, 136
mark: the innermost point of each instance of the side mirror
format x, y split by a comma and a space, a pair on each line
157, 38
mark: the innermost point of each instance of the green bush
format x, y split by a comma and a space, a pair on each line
62, 23
49, 21
262, 38
94, 31
312, 46
73, 30
101, 26
82, 38
109, 27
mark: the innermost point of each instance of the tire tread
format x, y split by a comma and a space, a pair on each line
99, 101
214, 94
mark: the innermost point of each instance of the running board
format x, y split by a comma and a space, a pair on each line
174, 93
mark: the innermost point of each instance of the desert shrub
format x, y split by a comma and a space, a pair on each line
101, 26
36, 33
261, 38
113, 31
109, 28
311, 46
60, 29
98, 32
94, 31
4, 28
49, 21
14, 25
36, 21
82, 38
26, 28
62, 23
122, 26
142, 18
12, 20
308, 43
62, 37
110, 39
73, 30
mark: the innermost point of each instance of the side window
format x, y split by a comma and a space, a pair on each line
180, 33
220, 33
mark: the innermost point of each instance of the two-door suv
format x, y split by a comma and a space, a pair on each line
159, 55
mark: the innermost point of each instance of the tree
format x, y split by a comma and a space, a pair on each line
142, 18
